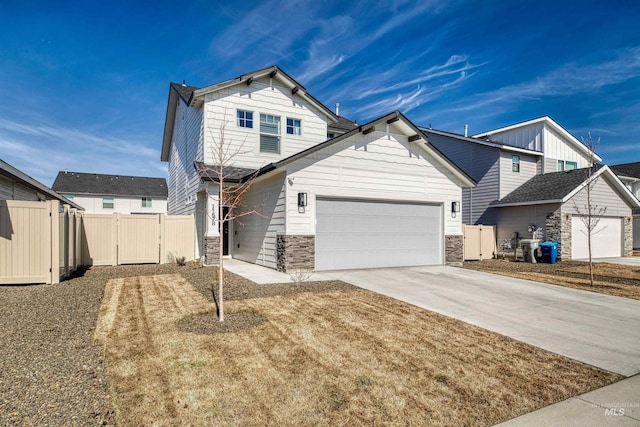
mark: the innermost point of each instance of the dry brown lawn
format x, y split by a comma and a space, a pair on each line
342, 357
611, 279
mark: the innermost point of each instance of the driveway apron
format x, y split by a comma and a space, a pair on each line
597, 329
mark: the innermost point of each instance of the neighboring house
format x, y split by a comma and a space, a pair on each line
104, 194
332, 194
16, 185
629, 174
512, 161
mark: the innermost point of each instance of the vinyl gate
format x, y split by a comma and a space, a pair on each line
137, 239
479, 242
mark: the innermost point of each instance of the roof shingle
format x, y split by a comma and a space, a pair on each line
627, 169
551, 186
110, 185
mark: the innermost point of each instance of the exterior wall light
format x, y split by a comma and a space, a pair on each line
302, 202
455, 207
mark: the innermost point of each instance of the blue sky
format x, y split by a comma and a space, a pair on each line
84, 85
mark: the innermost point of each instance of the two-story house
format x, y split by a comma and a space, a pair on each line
331, 194
106, 194
629, 174
533, 174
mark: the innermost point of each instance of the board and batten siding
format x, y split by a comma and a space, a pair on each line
510, 180
480, 163
519, 218
529, 137
602, 195
558, 148
10, 190
378, 166
265, 95
254, 237
186, 146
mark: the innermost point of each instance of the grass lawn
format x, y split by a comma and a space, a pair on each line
612, 279
345, 356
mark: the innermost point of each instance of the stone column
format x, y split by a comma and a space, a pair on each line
453, 249
296, 252
628, 236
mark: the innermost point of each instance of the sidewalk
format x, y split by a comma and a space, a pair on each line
614, 405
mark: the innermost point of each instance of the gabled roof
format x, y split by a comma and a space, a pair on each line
194, 97
230, 174
627, 170
17, 175
274, 72
558, 187
484, 142
110, 185
548, 121
396, 117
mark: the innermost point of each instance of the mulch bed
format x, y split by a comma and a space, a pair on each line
52, 374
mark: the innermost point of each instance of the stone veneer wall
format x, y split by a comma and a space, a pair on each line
211, 250
628, 236
296, 252
553, 228
453, 249
564, 252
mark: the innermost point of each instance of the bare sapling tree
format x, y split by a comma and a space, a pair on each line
592, 212
233, 185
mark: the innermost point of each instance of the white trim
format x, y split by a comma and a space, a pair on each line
536, 202
615, 181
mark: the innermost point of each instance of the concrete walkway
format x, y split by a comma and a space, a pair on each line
263, 275
614, 405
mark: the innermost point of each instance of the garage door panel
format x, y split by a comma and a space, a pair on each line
370, 234
606, 238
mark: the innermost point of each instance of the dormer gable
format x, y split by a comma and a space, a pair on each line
561, 150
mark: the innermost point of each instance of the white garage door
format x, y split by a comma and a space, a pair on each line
370, 234
606, 238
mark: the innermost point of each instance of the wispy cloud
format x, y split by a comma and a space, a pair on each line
43, 149
569, 79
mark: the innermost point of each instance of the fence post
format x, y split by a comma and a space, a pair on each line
54, 242
162, 249
116, 218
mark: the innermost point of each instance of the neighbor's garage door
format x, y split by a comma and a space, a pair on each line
606, 238
369, 234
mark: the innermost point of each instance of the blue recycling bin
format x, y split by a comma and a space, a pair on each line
549, 252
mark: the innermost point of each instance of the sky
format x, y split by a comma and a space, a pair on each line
84, 85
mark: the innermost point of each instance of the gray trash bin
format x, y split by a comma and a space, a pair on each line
529, 246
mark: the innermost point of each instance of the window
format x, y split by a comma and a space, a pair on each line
567, 165
146, 202
515, 163
269, 133
107, 202
245, 119
293, 126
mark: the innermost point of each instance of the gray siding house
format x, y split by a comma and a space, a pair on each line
534, 173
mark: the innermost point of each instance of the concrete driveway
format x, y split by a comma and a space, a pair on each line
597, 329
631, 260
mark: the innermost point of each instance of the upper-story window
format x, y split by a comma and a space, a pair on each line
567, 165
245, 119
515, 163
146, 202
293, 126
269, 133
107, 202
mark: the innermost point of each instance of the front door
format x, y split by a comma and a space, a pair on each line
225, 232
